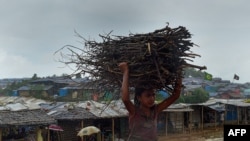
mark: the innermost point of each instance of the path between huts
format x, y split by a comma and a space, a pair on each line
205, 135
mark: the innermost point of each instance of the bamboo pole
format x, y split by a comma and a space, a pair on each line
202, 116
215, 118
166, 124
1, 134
190, 122
238, 115
245, 117
225, 114
183, 121
113, 129
48, 134
82, 138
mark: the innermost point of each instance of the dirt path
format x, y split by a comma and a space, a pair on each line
205, 135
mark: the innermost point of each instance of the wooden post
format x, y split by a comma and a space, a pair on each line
113, 129
238, 112
1, 134
82, 138
183, 126
225, 114
245, 113
48, 134
202, 117
166, 124
215, 118
190, 122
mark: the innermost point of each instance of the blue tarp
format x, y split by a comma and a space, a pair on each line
217, 107
210, 89
15, 93
231, 113
163, 93
63, 92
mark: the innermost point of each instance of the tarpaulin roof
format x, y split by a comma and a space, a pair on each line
217, 107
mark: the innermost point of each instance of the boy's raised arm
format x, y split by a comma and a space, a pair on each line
125, 87
175, 95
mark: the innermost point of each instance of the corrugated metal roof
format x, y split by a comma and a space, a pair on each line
16, 107
111, 109
181, 107
52, 105
99, 110
25, 117
180, 110
218, 107
235, 102
22, 111
15, 103
75, 114
92, 109
67, 110
24, 88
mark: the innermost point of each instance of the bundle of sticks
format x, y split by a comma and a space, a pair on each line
154, 58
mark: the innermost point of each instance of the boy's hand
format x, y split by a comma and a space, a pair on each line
123, 66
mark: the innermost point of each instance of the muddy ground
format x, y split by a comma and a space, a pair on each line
214, 134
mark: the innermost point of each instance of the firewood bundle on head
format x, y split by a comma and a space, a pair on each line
154, 58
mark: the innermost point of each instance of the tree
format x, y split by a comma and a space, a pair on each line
13, 86
199, 95
34, 77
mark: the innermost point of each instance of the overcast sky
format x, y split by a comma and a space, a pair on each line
32, 30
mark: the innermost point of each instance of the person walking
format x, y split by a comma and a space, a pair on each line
143, 112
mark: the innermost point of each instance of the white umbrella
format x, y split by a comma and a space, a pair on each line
89, 130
